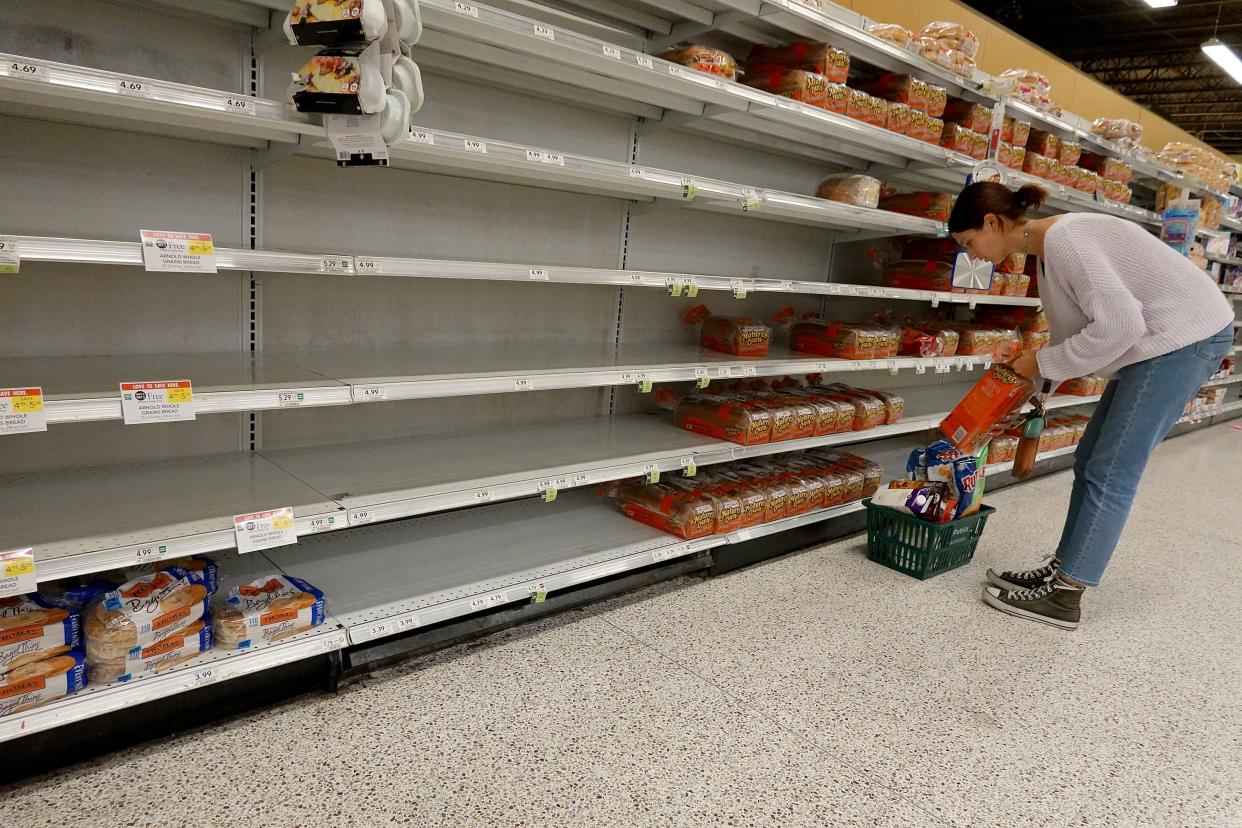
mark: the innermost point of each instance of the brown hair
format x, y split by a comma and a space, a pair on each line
984, 197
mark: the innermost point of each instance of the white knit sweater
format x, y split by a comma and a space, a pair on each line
1115, 295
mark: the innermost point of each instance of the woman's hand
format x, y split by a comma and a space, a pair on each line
1026, 364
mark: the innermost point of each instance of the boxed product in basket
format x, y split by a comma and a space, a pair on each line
265, 610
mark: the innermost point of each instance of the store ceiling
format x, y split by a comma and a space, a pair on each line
1150, 55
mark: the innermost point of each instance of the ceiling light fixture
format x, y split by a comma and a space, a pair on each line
1224, 57
1161, 4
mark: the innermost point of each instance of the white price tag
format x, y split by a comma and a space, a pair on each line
676, 71
751, 201
541, 157
741, 287
612, 52
472, 145
488, 601
21, 410
636, 172
239, 104
157, 402
523, 384
581, 479
538, 274
644, 61
134, 88
701, 377
368, 393
544, 32
420, 137
483, 496
10, 255
466, 9
920, 368
173, 252
786, 103
970, 366
651, 472
365, 264
265, 530
205, 675
892, 367
26, 70
942, 367
667, 552
408, 622
290, 399
688, 467
17, 572
327, 523
339, 265
360, 517
987, 364
146, 554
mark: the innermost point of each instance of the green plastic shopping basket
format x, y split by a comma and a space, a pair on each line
918, 548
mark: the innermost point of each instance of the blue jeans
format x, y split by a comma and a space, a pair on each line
1137, 411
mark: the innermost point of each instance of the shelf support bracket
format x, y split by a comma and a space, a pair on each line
677, 120
262, 159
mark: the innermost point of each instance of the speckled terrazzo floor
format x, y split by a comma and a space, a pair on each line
816, 690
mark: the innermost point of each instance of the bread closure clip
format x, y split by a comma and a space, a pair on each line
363, 80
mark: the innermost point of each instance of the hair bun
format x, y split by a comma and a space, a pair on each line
1029, 197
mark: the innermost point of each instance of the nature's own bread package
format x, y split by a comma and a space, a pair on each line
266, 610
33, 628
177, 648
850, 188
142, 611
820, 58
39, 682
704, 59
737, 335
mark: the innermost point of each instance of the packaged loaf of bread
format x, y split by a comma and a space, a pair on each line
727, 505
913, 274
796, 84
34, 683
141, 611
197, 569
869, 411
784, 415
737, 335
1004, 154
265, 610
1044, 143
897, 35
937, 100
936, 206
1021, 319
1035, 340
851, 188
956, 137
978, 146
972, 116
156, 657
819, 58
894, 405
752, 500
933, 130
900, 89
1037, 165
920, 123
1107, 167
898, 119
669, 509
1016, 132
1078, 387
1002, 448
930, 49
960, 63
724, 418
952, 36
837, 98
1070, 152
803, 418
843, 340
832, 417
33, 628
704, 59
872, 472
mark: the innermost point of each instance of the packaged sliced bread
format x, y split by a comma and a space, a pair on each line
266, 610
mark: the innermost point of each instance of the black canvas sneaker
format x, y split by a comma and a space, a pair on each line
1054, 602
1028, 579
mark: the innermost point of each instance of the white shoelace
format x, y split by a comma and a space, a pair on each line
1041, 591
1040, 571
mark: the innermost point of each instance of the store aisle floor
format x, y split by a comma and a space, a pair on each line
816, 690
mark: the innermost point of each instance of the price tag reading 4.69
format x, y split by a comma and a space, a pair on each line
26, 70
21, 410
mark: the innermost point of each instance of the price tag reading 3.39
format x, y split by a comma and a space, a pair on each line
156, 402
167, 251
21, 410
265, 530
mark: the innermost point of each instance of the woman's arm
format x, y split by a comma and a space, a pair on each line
1115, 318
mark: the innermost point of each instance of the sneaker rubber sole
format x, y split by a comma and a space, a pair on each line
996, 603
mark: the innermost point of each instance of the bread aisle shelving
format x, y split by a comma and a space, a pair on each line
386, 399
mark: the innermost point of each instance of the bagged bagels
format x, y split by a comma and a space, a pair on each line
142, 611
164, 654
266, 610
33, 628
39, 682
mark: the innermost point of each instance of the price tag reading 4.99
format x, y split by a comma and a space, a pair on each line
265, 530
156, 402
172, 252
21, 410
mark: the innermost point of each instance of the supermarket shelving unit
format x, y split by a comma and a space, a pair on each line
369, 353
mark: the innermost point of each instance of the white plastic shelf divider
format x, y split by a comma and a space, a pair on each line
100, 518
85, 388
213, 666
87, 251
